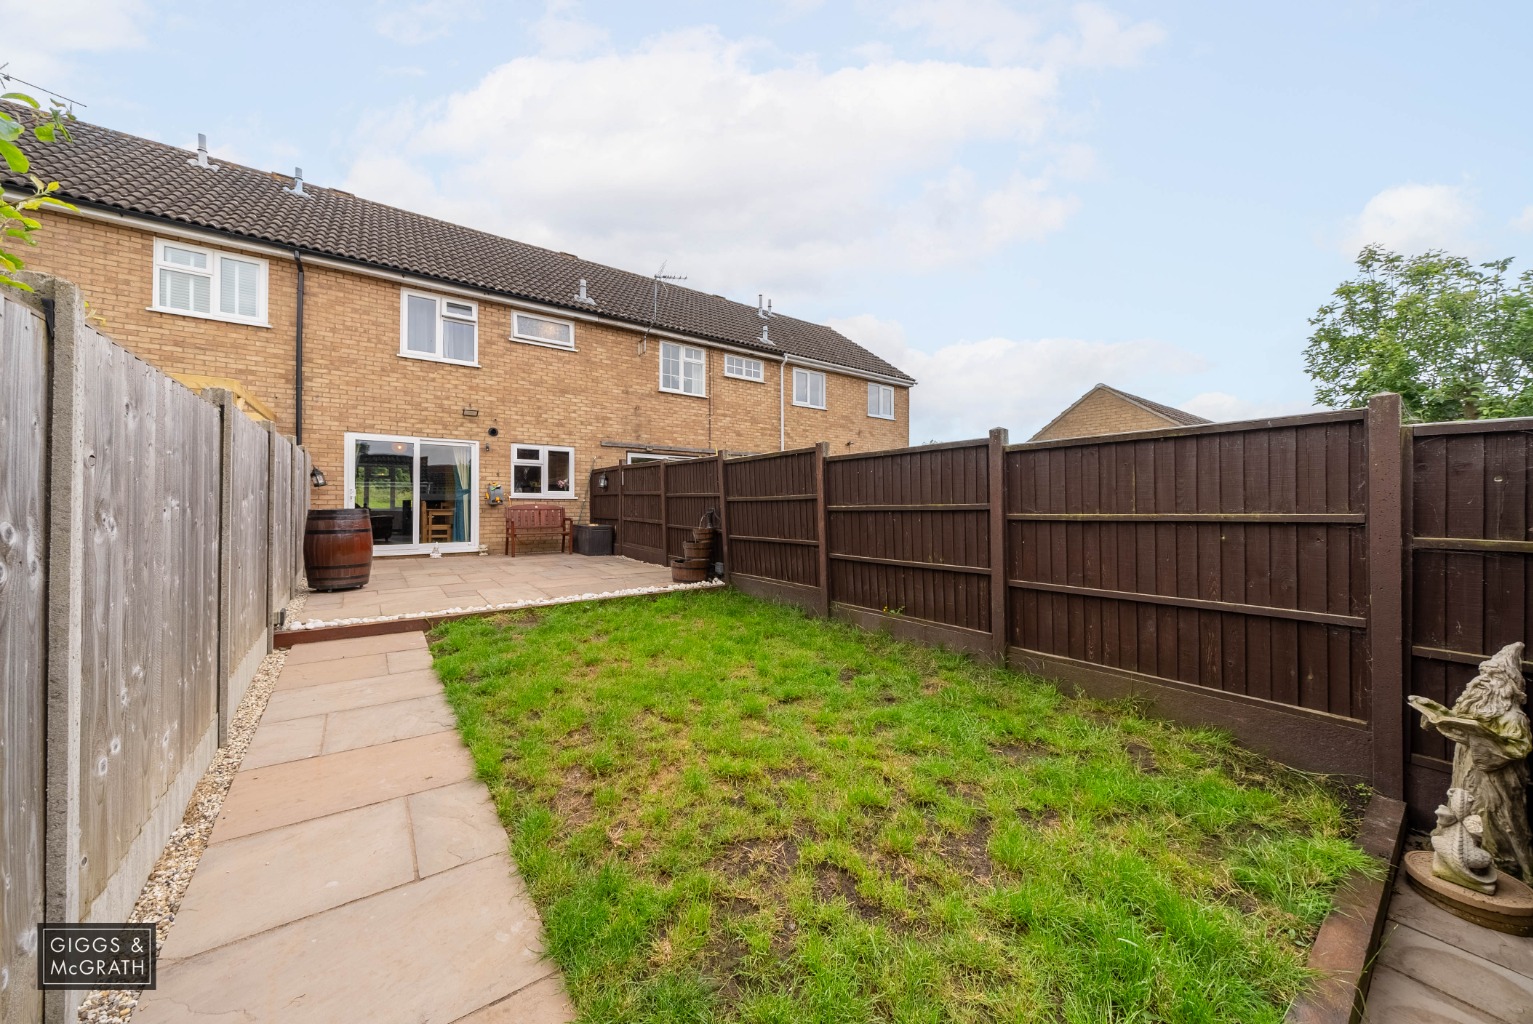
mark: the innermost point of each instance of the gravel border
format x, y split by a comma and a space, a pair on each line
161, 896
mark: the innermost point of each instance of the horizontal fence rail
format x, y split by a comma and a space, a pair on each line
147, 537
1288, 579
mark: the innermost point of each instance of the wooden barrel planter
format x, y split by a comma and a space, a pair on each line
338, 548
689, 570
694, 549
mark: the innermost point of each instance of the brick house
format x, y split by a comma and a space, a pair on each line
1106, 410
421, 361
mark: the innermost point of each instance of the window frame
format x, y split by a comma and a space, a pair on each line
875, 388
441, 300
528, 339
702, 360
541, 462
644, 458
760, 375
214, 274
809, 375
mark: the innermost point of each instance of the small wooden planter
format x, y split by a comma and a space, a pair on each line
689, 570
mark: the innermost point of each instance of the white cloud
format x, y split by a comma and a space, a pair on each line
746, 178
1003, 34
425, 20
62, 29
968, 387
1524, 220
1221, 406
73, 26
1413, 218
562, 32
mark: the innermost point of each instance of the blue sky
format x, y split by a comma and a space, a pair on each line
1012, 201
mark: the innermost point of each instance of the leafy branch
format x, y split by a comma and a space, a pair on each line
51, 125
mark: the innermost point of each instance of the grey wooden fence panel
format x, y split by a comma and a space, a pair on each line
23, 664
245, 531
148, 613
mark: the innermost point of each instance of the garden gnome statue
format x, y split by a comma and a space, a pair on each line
1490, 760
1456, 852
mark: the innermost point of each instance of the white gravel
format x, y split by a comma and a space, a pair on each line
161, 896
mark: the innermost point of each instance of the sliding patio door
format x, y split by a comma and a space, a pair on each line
418, 491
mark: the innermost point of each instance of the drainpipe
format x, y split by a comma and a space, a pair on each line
782, 408
298, 356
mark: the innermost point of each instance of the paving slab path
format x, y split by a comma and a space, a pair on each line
358, 871
1434, 968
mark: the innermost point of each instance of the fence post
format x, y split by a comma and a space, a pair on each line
999, 588
822, 526
665, 518
1386, 592
66, 547
273, 535
723, 518
226, 654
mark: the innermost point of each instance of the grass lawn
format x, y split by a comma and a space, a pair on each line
725, 810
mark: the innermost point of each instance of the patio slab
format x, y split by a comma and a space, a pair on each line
417, 585
371, 883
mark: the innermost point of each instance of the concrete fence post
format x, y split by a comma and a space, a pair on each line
62, 846
226, 654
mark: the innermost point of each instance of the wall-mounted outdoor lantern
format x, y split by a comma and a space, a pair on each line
316, 477
602, 482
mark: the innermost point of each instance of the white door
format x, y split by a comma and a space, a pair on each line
422, 493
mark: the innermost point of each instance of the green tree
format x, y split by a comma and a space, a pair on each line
51, 125
1455, 339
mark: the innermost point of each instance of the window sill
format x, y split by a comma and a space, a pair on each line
683, 394
542, 497
806, 405
543, 344
748, 380
888, 419
436, 359
210, 316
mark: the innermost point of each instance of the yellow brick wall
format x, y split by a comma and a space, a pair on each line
356, 381
1102, 412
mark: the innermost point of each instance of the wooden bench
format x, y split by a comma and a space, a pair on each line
536, 521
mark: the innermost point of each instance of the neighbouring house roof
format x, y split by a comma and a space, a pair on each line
1173, 416
113, 170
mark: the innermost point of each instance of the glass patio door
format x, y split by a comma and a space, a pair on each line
419, 492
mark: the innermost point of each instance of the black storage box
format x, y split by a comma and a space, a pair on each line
591, 539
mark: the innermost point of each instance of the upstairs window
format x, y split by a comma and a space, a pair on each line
542, 471
436, 327
194, 281
682, 369
743, 367
880, 401
542, 331
809, 388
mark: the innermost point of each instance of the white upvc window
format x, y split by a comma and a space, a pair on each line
880, 401
194, 281
683, 369
808, 388
541, 330
542, 471
438, 327
743, 367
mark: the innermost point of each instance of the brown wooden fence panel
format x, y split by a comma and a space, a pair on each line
691, 491
1228, 558
605, 489
772, 508
23, 648
909, 535
641, 529
1471, 579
